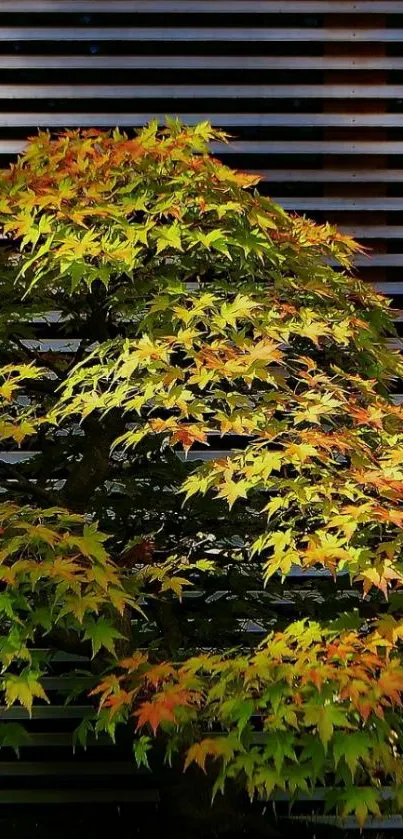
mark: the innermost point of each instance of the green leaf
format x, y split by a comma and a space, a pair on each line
23, 688
352, 746
361, 801
169, 236
101, 633
81, 733
325, 717
14, 735
141, 747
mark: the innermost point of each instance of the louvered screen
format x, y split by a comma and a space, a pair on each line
312, 91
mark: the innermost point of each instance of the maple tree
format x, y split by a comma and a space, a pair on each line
210, 492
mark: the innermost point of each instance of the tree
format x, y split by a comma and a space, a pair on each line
201, 316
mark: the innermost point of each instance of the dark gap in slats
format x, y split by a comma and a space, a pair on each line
93, 48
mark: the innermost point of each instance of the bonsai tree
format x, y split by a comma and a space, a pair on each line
209, 486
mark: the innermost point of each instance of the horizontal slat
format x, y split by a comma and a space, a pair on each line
45, 712
203, 62
146, 33
392, 288
103, 119
12, 146
66, 683
294, 147
204, 6
337, 147
216, 91
68, 345
387, 260
61, 768
373, 231
344, 204
351, 823
56, 739
330, 176
217, 119
66, 796
15, 457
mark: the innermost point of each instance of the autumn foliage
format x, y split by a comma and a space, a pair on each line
215, 458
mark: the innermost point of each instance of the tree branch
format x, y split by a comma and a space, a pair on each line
33, 355
24, 485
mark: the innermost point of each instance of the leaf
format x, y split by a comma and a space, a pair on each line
176, 584
325, 718
101, 633
23, 688
162, 708
14, 735
353, 746
215, 747
169, 236
141, 746
232, 490
81, 733
361, 801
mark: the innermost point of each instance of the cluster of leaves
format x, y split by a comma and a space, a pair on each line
308, 705
54, 573
220, 409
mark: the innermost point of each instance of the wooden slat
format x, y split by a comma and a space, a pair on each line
344, 204
235, 148
339, 147
373, 231
63, 739
218, 119
65, 796
392, 288
211, 91
240, 34
204, 6
16, 457
48, 712
371, 260
330, 175
37, 768
201, 62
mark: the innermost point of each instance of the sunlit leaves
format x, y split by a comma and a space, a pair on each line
23, 688
57, 572
324, 699
214, 326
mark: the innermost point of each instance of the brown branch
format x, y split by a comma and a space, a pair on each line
33, 355
24, 485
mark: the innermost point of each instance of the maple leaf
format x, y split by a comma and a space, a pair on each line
352, 746
14, 735
361, 801
214, 747
23, 688
176, 584
325, 718
233, 490
380, 575
159, 673
141, 746
101, 633
164, 707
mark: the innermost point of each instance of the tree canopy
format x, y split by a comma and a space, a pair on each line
203, 476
